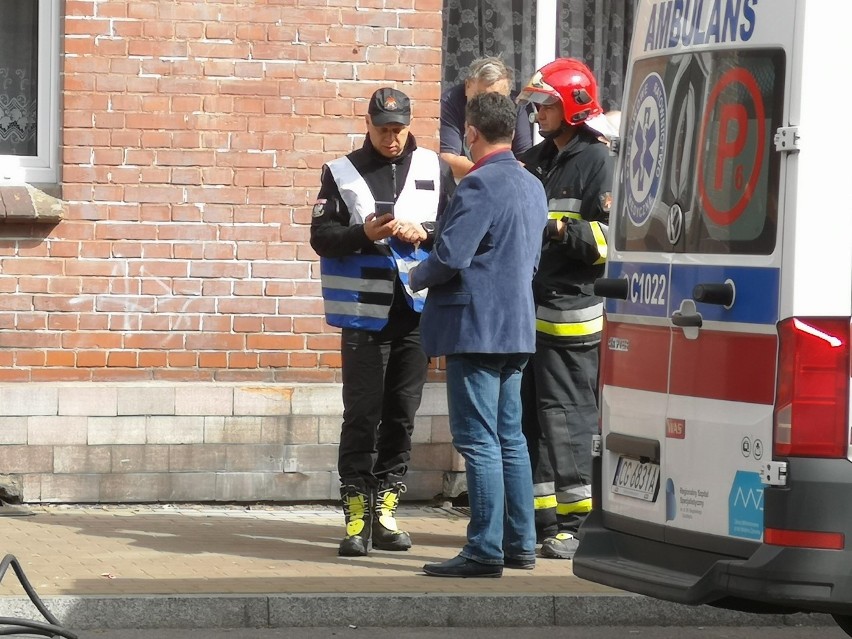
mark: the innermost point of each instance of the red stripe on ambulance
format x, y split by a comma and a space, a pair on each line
635, 356
725, 366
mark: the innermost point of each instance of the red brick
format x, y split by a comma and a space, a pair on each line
91, 359
274, 360
213, 360
30, 358
243, 360
84, 8
152, 359
76, 26
303, 360
60, 358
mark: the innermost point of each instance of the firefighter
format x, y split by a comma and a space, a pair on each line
374, 215
560, 389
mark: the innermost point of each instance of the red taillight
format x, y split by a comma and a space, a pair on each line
804, 539
812, 397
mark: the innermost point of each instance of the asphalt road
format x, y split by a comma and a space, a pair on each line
567, 632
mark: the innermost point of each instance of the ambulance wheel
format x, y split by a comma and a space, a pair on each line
845, 623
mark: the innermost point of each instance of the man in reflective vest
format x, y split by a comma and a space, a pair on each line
560, 389
373, 219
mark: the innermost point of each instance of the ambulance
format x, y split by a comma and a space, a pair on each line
723, 469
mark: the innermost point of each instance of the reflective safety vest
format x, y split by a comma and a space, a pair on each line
357, 289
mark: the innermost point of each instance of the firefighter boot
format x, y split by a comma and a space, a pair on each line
564, 544
386, 536
358, 512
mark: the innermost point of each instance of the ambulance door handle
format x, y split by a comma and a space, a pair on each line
687, 320
721, 294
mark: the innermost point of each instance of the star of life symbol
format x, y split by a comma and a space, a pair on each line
646, 150
643, 159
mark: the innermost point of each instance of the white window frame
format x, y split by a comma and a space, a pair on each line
42, 168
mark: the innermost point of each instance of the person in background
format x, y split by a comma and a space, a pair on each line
485, 74
480, 315
374, 216
561, 383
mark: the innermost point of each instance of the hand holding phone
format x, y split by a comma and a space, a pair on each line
384, 208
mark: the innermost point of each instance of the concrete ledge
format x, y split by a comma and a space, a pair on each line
438, 610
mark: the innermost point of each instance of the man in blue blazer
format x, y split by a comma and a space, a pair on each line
480, 314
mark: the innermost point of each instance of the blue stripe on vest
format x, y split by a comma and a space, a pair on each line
353, 321
407, 256
358, 290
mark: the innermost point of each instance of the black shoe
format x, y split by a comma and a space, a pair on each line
518, 564
461, 567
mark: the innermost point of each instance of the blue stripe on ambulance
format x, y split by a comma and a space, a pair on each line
656, 290
647, 289
756, 292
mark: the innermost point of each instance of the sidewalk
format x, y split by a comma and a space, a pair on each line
227, 566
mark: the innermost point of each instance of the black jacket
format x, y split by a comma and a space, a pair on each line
331, 232
578, 182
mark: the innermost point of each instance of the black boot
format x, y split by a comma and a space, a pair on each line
386, 536
358, 512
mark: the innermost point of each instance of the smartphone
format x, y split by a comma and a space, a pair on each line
384, 208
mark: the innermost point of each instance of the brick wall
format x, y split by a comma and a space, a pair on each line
193, 132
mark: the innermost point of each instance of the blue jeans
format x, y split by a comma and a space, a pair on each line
484, 400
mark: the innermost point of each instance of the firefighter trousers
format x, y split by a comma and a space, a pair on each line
560, 420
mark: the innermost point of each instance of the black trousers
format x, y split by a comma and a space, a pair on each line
383, 377
560, 398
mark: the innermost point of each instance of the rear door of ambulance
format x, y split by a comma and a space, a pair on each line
689, 357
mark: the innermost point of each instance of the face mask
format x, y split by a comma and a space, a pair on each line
470, 136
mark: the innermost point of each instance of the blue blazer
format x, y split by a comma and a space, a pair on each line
480, 271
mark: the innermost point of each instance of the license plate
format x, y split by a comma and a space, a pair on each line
633, 478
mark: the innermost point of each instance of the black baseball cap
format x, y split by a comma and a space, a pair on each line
389, 106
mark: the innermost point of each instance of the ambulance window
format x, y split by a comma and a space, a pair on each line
698, 169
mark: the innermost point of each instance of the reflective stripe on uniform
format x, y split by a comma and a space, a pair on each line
574, 323
558, 215
357, 284
543, 503
544, 488
583, 506
599, 232
575, 494
570, 204
357, 290
355, 309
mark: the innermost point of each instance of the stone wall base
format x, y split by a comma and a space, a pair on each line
193, 442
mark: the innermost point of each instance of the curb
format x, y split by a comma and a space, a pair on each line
393, 610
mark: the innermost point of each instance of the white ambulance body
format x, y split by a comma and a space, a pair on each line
724, 473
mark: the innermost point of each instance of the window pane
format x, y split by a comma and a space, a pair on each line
19, 77
475, 28
710, 149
